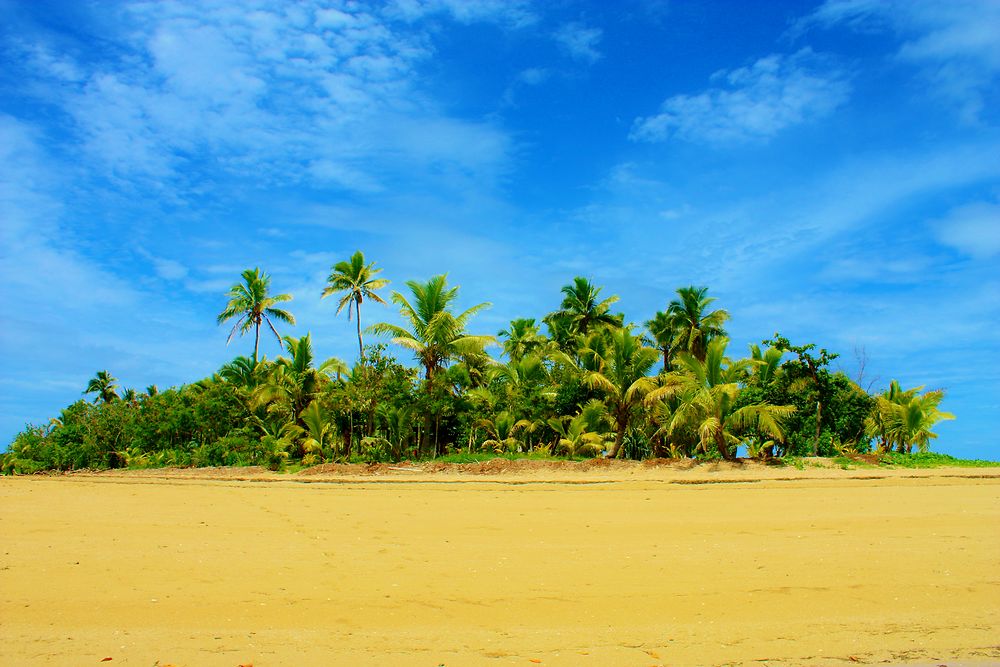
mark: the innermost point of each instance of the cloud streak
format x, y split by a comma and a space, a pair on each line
956, 43
580, 42
752, 103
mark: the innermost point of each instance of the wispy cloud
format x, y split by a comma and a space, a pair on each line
974, 229
580, 41
515, 13
287, 93
955, 42
751, 103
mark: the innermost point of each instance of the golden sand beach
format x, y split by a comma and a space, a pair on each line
624, 565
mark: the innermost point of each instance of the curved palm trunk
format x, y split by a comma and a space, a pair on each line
357, 310
722, 446
619, 438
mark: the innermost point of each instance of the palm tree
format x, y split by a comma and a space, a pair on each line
103, 384
522, 338
251, 305
623, 378
695, 328
501, 431
708, 391
664, 330
294, 381
582, 307
766, 365
519, 376
904, 418
243, 372
357, 281
582, 435
318, 431
435, 334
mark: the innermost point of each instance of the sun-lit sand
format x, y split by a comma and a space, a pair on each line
618, 566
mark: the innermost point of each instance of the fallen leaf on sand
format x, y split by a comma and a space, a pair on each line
535, 660
105, 659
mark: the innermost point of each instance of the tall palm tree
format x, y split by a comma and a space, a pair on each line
582, 306
664, 329
251, 305
357, 281
103, 384
623, 379
435, 334
708, 391
521, 338
695, 327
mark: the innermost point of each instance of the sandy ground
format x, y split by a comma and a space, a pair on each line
599, 565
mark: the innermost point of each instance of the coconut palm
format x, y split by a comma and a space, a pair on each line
766, 365
521, 338
664, 330
243, 372
294, 381
582, 435
357, 281
516, 378
501, 431
695, 328
708, 391
623, 379
103, 384
318, 432
904, 418
251, 305
435, 334
582, 307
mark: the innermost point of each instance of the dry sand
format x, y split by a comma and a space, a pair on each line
597, 565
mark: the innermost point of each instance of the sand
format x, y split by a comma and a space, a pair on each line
598, 566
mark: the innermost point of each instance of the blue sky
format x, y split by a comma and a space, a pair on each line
829, 169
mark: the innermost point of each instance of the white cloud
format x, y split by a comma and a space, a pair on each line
285, 94
39, 268
580, 41
515, 13
751, 103
955, 42
533, 76
974, 229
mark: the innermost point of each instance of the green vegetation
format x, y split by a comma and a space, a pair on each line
931, 460
593, 385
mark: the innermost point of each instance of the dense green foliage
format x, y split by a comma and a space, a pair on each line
594, 385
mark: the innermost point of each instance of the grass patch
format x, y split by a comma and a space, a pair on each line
930, 460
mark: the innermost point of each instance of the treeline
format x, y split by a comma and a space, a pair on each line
590, 385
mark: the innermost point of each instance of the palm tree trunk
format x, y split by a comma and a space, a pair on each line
619, 437
720, 443
357, 310
256, 341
